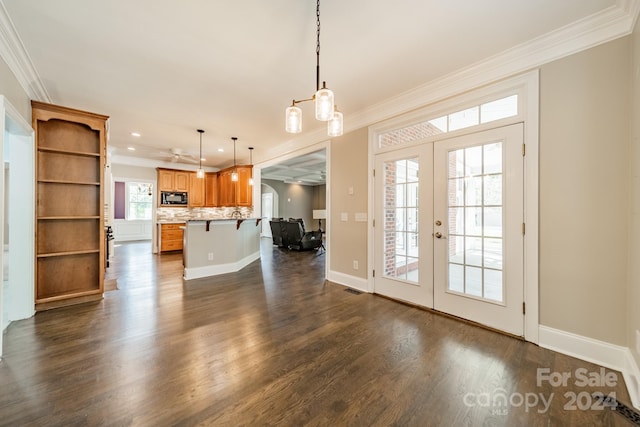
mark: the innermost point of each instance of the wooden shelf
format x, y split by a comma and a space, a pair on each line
70, 152
61, 181
59, 218
55, 254
41, 302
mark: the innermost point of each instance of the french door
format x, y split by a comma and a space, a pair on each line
463, 254
403, 241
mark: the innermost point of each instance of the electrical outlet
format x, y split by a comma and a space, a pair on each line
638, 341
210, 256
355, 264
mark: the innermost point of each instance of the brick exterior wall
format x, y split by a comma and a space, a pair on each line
407, 134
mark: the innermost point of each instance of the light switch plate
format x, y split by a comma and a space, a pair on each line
361, 217
344, 216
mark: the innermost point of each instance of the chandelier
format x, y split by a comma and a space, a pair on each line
326, 110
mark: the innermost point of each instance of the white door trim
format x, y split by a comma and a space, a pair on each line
527, 87
13, 124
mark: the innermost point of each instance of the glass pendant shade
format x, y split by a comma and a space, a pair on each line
200, 173
293, 120
334, 126
234, 176
324, 104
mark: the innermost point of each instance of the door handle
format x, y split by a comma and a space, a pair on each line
438, 235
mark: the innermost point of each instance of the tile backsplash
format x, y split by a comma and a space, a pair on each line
171, 214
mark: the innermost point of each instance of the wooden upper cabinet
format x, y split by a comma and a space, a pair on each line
225, 189
173, 180
238, 193
182, 181
166, 180
196, 190
211, 189
215, 190
243, 188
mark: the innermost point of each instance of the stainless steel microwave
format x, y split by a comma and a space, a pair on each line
174, 198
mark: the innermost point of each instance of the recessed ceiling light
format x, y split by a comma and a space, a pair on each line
136, 134
203, 159
299, 180
131, 148
221, 150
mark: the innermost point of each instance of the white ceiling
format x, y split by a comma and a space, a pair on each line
166, 68
307, 169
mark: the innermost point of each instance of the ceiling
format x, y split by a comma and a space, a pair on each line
164, 69
307, 169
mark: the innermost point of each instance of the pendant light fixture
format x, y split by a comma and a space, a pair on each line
234, 174
326, 110
200, 172
251, 163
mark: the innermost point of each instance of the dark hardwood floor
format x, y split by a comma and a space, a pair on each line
274, 345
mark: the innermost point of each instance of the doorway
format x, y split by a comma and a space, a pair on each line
17, 183
267, 211
450, 236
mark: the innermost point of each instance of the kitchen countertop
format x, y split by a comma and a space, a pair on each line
171, 221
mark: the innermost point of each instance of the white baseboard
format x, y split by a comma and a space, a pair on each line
347, 280
602, 353
631, 374
214, 270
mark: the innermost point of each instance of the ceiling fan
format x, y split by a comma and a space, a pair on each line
177, 155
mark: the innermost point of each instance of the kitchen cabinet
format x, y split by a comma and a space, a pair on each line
166, 180
173, 180
182, 181
239, 193
70, 235
211, 189
243, 189
225, 188
196, 191
171, 237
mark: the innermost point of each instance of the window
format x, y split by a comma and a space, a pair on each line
472, 116
133, 200
140, 199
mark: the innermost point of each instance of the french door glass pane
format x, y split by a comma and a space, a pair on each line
475, 197
401, 250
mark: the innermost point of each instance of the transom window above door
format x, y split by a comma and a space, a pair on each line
478, 114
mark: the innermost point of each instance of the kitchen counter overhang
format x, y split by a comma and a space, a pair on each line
219, 246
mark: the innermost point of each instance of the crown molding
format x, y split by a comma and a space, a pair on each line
601, 27
15, 55
609, 24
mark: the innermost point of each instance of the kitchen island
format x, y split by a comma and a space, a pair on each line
219, 246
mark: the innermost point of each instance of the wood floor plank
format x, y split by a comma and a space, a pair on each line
273, 344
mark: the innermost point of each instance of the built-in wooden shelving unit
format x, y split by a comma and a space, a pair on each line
70, 155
